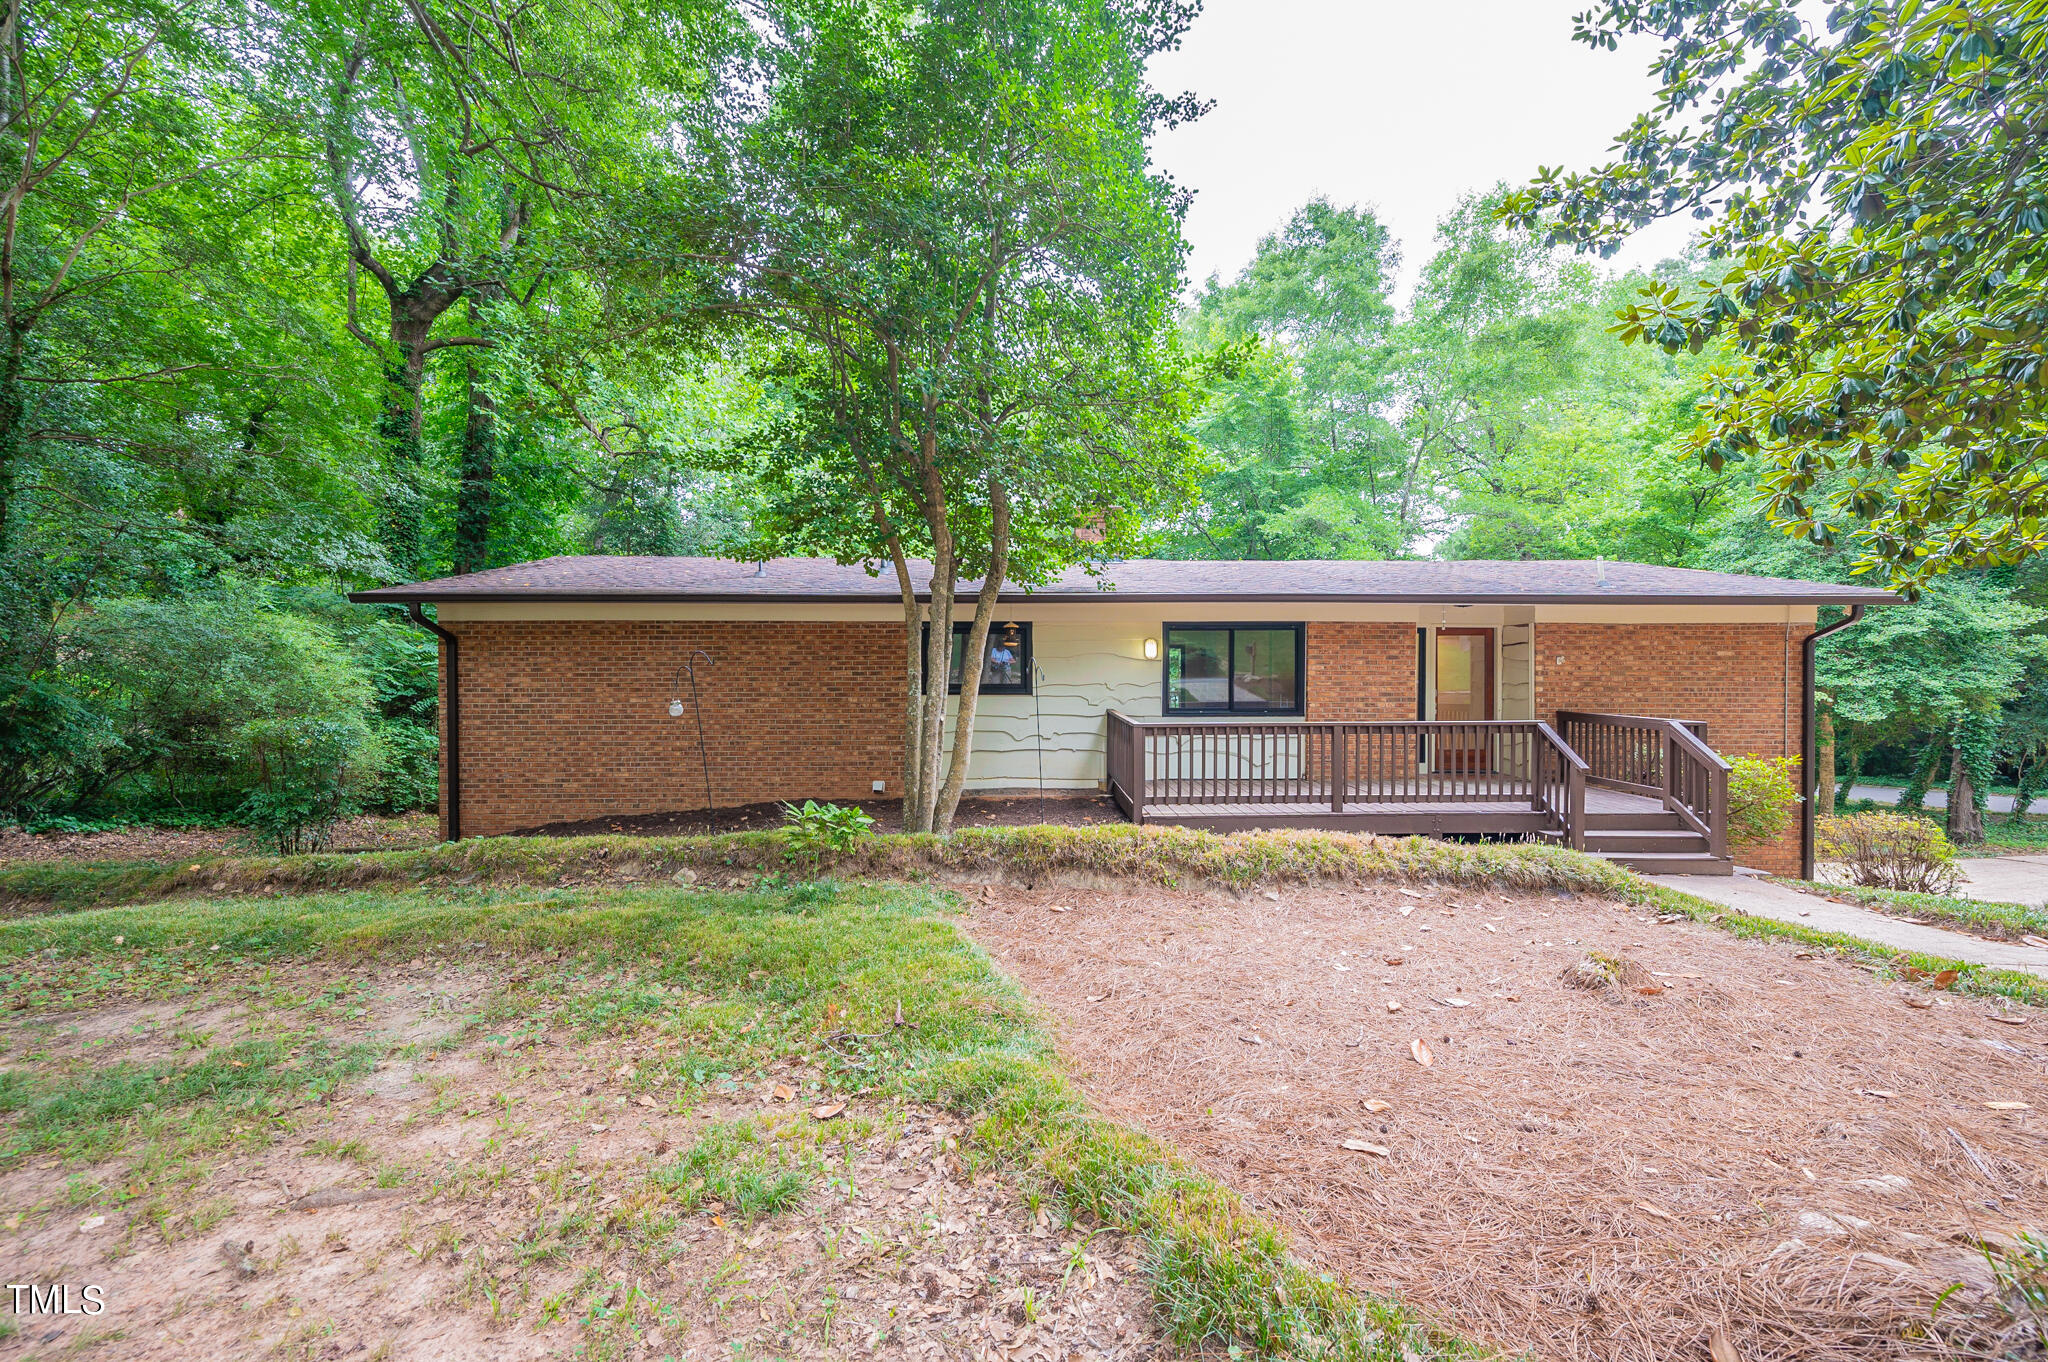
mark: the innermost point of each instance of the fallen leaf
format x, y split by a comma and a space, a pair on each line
1911, 972
1362, 1147
2010, 1106
1271, 895
1251, 1040
1650, 990
1059, 908
1097, 997
1922, 1003
784, 1093
1720, 1349
828, 1111
1421, 1053
1945, 978
1411, 893
1406, 909
2010, 1021
1651, 1208
2041, 941
1378, 1104
1455, 1002
647, 1101
1490, 927
90, 1223
1885, 1093
1393, 959
1393, 1004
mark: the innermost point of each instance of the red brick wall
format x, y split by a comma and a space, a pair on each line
568, 719
1361, 671
1741, 680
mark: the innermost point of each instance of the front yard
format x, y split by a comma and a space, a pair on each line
611, 1099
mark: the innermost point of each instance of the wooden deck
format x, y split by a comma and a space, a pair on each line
1402, 816
1655, 797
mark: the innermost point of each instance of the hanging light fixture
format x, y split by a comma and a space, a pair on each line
1012, 635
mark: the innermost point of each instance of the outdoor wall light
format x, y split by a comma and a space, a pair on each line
1151, 650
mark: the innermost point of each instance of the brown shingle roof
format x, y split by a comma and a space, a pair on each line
596, 578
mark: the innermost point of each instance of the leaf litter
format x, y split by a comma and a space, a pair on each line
1607, 1162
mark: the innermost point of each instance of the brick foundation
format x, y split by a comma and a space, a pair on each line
1741, 680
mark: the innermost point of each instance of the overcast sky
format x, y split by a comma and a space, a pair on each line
1401, 104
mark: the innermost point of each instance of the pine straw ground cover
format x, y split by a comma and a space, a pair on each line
1739, 1139
805, 1119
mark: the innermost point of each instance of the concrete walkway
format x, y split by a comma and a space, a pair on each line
1761, 898
2005, 879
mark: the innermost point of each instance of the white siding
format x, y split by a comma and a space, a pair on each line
1086, 668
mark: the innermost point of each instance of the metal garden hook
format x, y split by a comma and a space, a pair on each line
675, 711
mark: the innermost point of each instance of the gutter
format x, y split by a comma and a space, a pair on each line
453, 718
1808, 776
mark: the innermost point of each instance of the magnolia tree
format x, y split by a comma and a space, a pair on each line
943, 219
1877, 209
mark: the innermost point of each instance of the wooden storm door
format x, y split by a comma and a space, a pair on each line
1464, 694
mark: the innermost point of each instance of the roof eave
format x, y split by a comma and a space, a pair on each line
401, 596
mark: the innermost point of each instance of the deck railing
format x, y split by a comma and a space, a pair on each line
1666, 759
1163, 763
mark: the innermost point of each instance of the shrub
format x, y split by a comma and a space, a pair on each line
310, 774
1889, 851
816, 828
1761, 798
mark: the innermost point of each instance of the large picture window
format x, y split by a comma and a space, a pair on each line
1234, 669
1005, 663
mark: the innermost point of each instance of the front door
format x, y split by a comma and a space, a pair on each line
1464, 692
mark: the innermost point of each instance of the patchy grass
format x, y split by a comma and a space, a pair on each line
1157, 855
871, 990
2000, 921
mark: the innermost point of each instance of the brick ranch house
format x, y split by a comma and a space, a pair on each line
1586, 702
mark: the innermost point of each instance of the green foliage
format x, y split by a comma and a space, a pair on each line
743, 1167
1878, 229
1889, 851
1762, 798
308, 776
815, 828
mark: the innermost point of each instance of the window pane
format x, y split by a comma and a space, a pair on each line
1198, 669
959, 658
1004, 664
1263, 675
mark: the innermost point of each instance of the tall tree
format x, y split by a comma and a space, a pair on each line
1878, 205
947, 214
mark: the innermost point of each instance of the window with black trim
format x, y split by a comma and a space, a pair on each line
1235, 668
1005, 663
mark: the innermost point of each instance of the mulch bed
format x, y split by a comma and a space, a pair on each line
1737, 1137
1061, 808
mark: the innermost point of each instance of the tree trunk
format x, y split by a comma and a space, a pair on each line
1852, 767
479, 468
1965, 819
970, 665
1823, 762
399, 427
13, 438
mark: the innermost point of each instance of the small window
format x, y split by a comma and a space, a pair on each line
1234, 669
1005, 664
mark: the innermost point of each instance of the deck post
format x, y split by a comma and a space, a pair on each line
1575, 808
1141, 753
1338, 767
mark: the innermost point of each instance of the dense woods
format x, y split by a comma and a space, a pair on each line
295, 300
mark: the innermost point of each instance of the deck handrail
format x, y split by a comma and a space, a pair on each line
1665, 758
1160, 763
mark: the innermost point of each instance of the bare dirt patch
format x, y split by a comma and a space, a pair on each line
495, 1190
1728, 1136
183, 844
